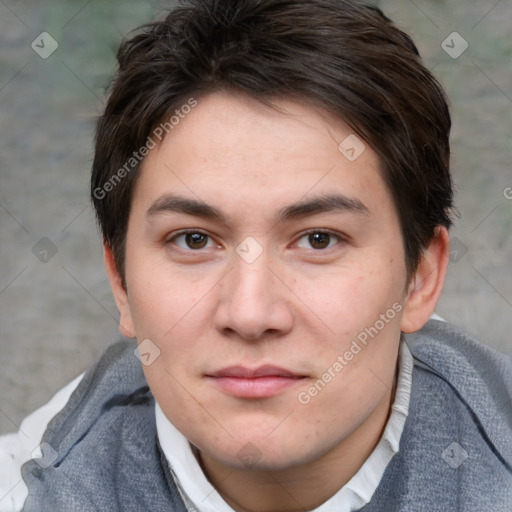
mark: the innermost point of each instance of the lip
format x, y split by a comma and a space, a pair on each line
262, 382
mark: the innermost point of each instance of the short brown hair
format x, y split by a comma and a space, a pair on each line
341, 55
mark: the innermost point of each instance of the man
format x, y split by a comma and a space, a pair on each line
271, 178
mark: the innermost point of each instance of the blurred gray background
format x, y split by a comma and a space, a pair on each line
56, 311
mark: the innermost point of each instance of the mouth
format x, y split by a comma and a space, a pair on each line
262, 382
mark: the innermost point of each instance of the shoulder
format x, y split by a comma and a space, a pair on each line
17, 448
467, 362
455, 449
479, 377
115, 380
108, 432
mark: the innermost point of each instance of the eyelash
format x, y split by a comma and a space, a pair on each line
340, 239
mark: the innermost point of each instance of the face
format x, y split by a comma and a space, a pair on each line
258, 259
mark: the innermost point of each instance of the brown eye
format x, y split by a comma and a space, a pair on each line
319, 240
196, 240
192, 241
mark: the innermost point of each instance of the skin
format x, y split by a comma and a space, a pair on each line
297, 305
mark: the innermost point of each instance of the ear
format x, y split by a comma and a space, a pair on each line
120, 294
427, 284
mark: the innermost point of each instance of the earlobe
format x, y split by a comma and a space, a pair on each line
427, 284
120, 294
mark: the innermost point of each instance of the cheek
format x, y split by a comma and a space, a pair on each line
351, 297
162, 298
173, 311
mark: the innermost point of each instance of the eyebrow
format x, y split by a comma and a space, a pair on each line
323, 204
304, 208
195, 207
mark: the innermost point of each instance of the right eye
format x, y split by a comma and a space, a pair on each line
192, 241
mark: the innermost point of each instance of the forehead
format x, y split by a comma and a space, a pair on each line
243, 157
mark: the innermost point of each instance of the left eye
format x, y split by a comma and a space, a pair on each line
194, 240
318, 240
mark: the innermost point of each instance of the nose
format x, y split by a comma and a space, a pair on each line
254, 303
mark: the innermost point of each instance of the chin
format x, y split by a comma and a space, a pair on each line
264, 455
